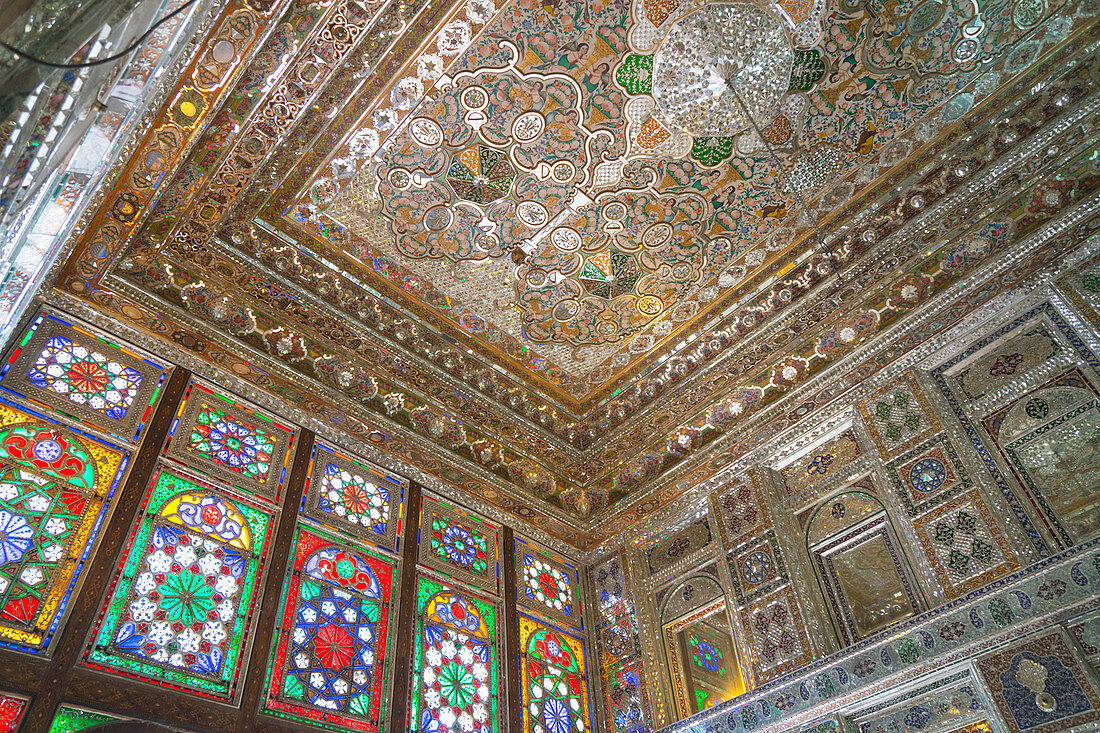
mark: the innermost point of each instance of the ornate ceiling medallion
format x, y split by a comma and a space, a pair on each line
715, 55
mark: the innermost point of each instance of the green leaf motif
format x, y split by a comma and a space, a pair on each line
635, 74
310, 591
360, 706
712, 151
292, 687
186, 598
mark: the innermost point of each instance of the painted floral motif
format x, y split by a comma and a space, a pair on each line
85, 377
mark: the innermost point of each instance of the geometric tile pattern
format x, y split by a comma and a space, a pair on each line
757, 568
225, 439
740, 511
898, 415
777, 635
547, 584
964, 545
78, 374
329, 666
928, 475
459, 545
1040, 685
354, 497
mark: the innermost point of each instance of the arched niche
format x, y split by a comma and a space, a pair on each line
699, 644
1052, 439
862, 572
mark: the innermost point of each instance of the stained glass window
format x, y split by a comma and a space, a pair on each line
455, 679
12, 709
459, 545
547, 584
555, 691
79, 374
54, 491
69, 718
230, 441
183, 601
350, 496
330, 662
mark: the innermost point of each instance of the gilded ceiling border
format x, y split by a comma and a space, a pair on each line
1024, 270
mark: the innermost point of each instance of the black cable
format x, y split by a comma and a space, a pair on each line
109, 59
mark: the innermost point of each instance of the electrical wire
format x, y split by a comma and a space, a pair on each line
108, 59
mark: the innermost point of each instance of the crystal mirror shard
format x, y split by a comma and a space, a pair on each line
79, 374
455, 685
1052, 441
354, 497
331, 663
863, 573
459, 545
55, 490
722, 69
547, 584
181, 604
221, 437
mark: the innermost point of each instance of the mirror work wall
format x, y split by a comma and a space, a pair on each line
858, 567
920, 552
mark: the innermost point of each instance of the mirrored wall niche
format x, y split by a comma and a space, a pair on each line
945, 474
698, 643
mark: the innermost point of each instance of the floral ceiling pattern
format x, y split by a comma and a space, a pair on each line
508, 244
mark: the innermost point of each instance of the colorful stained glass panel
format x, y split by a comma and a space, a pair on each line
555, 690
455, 679
80, 374
230, 441
55, 488
458, 544
69, 719
181, 609
352, 497
547, 584
12, 709
330, 664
